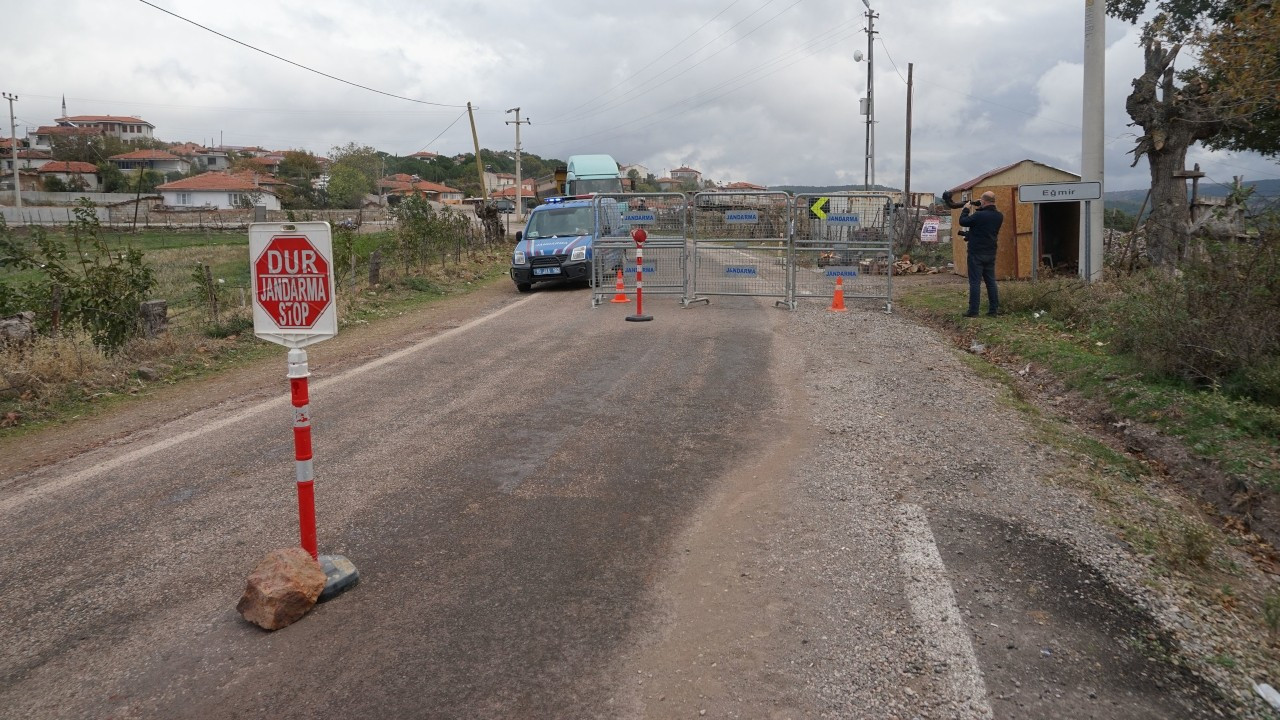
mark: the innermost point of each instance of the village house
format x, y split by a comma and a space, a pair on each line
27, 160
218, 190
686, 174
43, 137
79, 176
125, 128
405, 185
157, 160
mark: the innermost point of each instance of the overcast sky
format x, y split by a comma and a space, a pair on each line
764, 91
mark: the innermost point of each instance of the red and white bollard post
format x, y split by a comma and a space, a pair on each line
639, 235
305, 468
340, 573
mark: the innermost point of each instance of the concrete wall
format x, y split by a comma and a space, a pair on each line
66, 198
45, 215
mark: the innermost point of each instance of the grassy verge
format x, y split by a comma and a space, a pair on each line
1239, 435
58, 380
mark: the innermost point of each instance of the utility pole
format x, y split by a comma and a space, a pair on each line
519, 181
869, 164
475, 140
13, 138
1091, 152
910, 205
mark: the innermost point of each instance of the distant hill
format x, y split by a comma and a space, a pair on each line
1265, 193
816, 189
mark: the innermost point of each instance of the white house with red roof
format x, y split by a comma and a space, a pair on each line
157, 160
123, 127
684, 174
43, 137
74, 174
218, 190
27, 160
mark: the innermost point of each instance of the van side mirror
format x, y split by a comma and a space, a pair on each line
519, 235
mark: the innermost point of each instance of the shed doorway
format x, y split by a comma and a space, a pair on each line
1060, 237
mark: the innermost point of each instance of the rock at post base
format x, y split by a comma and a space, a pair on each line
281, 589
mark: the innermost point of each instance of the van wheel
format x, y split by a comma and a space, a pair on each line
524, 287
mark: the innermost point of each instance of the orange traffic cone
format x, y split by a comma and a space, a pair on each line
837, 301
621, 297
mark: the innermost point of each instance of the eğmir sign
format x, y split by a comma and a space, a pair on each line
291, 272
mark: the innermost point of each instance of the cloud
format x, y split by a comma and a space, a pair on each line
765, 91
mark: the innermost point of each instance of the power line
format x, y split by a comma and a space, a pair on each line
295, 64
442, 132
647, 66
641, 90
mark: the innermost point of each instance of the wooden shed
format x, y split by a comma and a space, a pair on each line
1059, 222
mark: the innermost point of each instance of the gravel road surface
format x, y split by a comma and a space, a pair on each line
732, 511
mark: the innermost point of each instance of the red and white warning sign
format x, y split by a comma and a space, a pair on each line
291, 273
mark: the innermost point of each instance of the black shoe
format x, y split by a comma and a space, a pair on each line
971, 314
994, 313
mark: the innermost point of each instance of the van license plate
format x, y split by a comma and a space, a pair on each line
546, 271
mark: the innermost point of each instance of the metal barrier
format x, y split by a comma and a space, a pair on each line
664, 217
842, 235
741, 245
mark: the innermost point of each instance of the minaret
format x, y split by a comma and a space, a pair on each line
64, 105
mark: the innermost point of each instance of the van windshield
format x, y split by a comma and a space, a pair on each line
556, 222
599, 185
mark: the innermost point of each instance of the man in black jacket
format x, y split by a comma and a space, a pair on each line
984, 229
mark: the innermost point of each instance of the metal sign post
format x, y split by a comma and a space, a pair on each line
291, 268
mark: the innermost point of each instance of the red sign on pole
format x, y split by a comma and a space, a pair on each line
292, 274
292, 282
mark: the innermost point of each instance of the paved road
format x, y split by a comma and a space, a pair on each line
555, 514
506, 493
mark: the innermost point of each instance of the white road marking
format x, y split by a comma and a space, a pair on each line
933, 604
37, 491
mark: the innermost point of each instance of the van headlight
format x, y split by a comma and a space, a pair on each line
518, 258
579, 253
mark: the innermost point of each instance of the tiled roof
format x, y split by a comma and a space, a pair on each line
424, 155
122, 119
187, 149
145, 155
214, 181
263, 178
510, 191
34, 155
744, 186
68, 166
685, 170
64, 130
396, 185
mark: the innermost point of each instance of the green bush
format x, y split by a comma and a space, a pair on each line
100, 290
1067, 300
1214, 321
